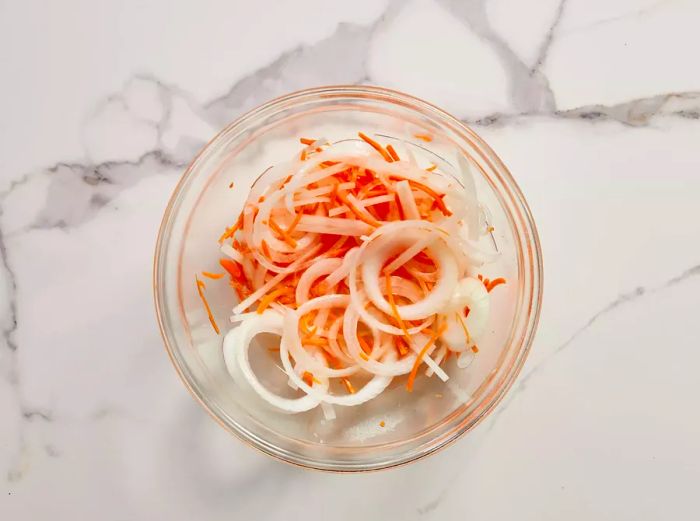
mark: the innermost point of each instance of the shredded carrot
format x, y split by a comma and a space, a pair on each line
464, 327
212, 275
486, 283
436, 197
475, 348
431, 167
494, 283
285, 235
265, 249
308, 378
316, 341
379, 148
382, 424
200, 290
302, 156
309, 329
294, 223
421, 354
423, 137
392, 153
400, 346
360, 215
270, 298
231, 185
231, 267
348, 385
307, 141
363, 344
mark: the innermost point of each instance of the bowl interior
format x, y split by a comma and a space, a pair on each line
397, 426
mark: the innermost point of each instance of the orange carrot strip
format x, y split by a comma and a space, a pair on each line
401, 346
270, 298
302, 156
348, 385
363, 216
363, 345
296, 220
392, 153
308, 378
438, 199
423, 137
464, 328
394, 309
200, 290
431, 167
494, 283
211, 275
265, 249
382, 424
421, 354
231, 185
475, 348
379, 148
232, 267
285, 236
316, 341
307, 141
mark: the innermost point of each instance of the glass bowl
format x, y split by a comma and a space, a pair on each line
397, 427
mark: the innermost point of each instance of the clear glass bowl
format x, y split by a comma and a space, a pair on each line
414, 424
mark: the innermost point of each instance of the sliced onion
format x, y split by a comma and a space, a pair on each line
236, 345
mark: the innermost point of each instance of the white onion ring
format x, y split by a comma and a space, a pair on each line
236, 345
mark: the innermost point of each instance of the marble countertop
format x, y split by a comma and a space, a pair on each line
594, 106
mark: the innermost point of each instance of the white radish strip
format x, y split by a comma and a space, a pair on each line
322, 190
236, 346
407, 200
259, 276
359, 207
231, 252
311, 200
411, 252
265, 208
439, 357
343, 269
442, 375
331, 225
316, 270
377, 199
243, 316
338, 210
272, 283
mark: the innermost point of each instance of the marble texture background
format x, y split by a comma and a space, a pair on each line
593, 104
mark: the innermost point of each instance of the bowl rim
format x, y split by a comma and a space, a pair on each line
536, 268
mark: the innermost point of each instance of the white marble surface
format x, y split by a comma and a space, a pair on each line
594, 105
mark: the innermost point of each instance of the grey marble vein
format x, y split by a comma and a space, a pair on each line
622, 300
549, 38
529, 89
